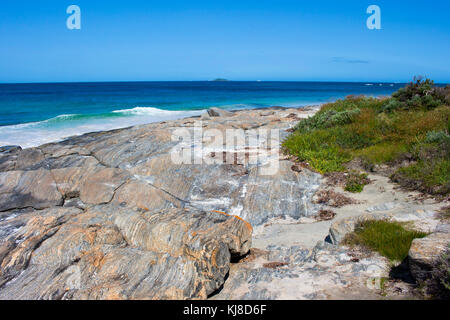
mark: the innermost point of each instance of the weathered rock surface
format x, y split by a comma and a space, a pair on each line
324, 272
425, 253
110, 252
21, 189
109, 215
337, 272
216, 112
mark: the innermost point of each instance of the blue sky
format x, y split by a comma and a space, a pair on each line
320, 40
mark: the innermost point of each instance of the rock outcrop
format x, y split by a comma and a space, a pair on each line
112, 252
216, 112
324, 272
425, 253
109, 215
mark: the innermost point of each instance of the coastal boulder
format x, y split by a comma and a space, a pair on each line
216, 112
425, 252
113, 252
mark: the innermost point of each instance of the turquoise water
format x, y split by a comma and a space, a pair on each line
33, 114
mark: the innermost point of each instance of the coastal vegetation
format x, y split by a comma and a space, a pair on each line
408, 132
355, 182
391, 239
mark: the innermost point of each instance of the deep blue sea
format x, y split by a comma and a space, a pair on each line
33, 114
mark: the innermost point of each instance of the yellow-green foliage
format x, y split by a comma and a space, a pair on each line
362, 127
390, 239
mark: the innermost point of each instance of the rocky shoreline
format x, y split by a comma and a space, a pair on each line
109, 215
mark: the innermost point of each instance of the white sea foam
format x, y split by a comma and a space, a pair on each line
140, 111
63, 126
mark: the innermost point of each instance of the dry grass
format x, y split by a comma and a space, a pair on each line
275, 265
325, 215
333, 199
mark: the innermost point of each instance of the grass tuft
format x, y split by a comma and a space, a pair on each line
355, 182
390, 239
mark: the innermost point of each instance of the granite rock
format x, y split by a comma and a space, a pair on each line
295, 273
109, 215
425, 253
216, 112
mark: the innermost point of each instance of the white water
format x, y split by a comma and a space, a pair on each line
37, 133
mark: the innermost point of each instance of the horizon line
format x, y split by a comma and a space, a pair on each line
220, 81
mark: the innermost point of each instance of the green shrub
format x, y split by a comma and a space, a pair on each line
386, 152
392, 104
418, 86
440, 137
355, 102
418, 94
430, 176
327, 119
390, 239
355, 182
443, 93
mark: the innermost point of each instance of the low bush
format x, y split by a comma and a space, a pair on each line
440, 137
430, 176
390, 239
407, 129
355, 182
327, 119
418, 94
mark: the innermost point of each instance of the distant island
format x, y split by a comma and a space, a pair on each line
220, 80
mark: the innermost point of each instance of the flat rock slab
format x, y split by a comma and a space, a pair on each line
216, 112
324, 272
21, 189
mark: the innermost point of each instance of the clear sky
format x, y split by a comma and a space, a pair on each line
319, 40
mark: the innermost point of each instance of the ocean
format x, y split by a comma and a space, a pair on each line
34, 114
